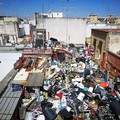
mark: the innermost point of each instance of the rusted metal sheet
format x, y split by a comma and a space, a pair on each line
113, 61
36, 52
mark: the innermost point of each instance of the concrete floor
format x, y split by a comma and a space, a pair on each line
7, 61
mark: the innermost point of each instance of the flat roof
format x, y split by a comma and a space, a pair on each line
108, 30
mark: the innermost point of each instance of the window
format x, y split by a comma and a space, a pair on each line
94, 44
100, 46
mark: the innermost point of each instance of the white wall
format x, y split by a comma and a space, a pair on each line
114, 44
27, 29
10, 29
97, 26
70, 30
55, 14
78, 29
2, 29
7, 62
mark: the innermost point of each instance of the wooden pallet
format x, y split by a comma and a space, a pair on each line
8, 103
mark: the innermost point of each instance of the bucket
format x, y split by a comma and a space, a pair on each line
103, 84
102, 80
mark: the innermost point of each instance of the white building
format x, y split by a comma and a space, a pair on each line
10, 30
91, 26
69, 30
55, 14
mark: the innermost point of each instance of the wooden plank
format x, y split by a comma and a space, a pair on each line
6, 105
12, 94
14, 106
7, 111
2, 104
15, 94
6, 91
2, 86
2, 89
19, 93
3, 117
9, 76
9, 117
35, 80
1, 100
9, 92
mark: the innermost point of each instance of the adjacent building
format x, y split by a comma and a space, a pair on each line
10, 30
15, 30
71, 30
53, 25
106, 44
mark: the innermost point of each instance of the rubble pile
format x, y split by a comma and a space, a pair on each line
73, 90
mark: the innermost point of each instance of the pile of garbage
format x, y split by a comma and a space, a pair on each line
73, 91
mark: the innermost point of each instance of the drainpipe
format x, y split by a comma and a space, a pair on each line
1, 41
16, 32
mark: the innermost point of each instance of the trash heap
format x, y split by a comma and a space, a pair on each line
74, 90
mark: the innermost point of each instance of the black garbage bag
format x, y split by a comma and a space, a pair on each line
49, 114
115, 107
65, 114
45, 104
86, 72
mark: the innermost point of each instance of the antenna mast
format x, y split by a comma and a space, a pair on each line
67, 21
43, 26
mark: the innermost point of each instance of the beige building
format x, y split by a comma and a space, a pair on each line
10, 30
104, 40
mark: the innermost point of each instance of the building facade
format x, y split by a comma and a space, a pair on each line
106, 43
71, 30
10, 30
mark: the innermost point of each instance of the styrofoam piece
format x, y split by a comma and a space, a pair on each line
57, 69
80, 70
41, 117
80, 85
77, 79
73, 65
63, 101
73, 80
90, 89
91, 72
81, 96
56, 103
52, 75
28, 116
46, 87
68, 108
21, 76
81, 79
54, 66
75, 83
